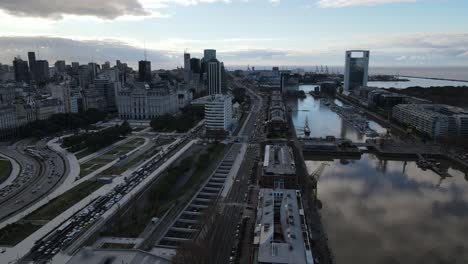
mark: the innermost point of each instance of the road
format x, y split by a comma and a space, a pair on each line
238, 203
25, 246
42, 171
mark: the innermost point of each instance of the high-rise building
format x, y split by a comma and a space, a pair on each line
75, 67
94, 69
32, 63
42, 71
21, 70
195, 65
60, 66
356, 69
144, 71
106, 66
214, 77
187, 68
223, 79
209, 54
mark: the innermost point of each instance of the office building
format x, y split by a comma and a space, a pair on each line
279, 168
214, 77
144, 71
209, 54
75, 67
94, 69
61, 92
42, 71
106, 66
218, 115
32, 64
60, 66
143, 101
107, 86
356, 70
187, 68
21, 70
281, 235
84, 76
440, 122
195, 65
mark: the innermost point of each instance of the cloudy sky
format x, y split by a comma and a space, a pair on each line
255, 32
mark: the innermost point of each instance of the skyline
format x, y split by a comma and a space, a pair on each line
307, 33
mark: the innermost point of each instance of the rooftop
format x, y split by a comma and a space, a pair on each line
279, 160
279, 231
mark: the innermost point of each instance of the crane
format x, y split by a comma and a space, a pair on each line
315, 176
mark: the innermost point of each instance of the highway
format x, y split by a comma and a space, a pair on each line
41, 171
97, 211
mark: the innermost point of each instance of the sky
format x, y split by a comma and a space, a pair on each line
244, 32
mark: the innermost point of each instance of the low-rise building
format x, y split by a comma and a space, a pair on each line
142, 101
281, 234
279, 168
277, 120
218, 115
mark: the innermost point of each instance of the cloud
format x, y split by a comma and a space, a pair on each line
424, 49
56, 9
463, 55
83, 51
347, 3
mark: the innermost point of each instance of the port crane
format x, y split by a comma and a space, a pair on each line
314, 177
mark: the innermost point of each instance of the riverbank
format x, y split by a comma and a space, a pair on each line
435, 78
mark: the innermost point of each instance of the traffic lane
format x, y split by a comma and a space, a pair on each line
51, 174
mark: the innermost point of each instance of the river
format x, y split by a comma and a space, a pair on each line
380, 211
323, 121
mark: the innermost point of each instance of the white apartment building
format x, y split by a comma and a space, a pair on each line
218, 112
435, 120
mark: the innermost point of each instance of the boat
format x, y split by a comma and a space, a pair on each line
306, 127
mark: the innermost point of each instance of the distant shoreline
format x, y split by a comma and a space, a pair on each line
433, 78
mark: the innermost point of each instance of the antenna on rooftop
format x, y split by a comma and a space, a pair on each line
145, 54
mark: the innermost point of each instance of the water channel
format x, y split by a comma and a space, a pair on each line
382, 211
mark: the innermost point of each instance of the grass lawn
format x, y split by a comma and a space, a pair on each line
98, 162
122, 168
61, 203
14, 233
84, 154
161, 197
5, 170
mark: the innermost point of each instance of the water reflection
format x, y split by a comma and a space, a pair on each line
380, 211
323, 121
